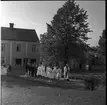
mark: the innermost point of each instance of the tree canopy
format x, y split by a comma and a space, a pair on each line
102, 42
102, 46
67, 33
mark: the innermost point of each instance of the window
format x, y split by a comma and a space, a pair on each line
2, 47
33, 48
18, 62
18, 48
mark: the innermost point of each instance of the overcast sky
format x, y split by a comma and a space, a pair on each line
35, 15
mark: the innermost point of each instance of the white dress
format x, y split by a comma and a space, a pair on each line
66, 75
54, 72
65, 71
48, 72
43, 71
59, 73
39, 70
4, 71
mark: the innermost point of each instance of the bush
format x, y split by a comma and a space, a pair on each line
103, 79
92, 82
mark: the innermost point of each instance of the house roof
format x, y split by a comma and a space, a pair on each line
17, 34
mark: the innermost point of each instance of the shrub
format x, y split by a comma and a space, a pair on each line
92, 82
103, 79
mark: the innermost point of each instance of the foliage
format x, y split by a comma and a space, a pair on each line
92, 82
67, 33
102, 41
102, 47
94, 56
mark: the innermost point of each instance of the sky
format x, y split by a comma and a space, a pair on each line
35, 15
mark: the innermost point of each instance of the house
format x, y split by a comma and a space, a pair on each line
19, 45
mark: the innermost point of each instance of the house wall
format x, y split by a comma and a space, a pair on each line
20, 54
11, 53
33, 55
6, 52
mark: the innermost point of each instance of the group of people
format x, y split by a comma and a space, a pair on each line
31, 68
49, 71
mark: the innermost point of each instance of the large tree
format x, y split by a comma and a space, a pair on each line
102, 42
102, 47
68, 31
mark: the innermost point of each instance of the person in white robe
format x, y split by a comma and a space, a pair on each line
48, 71
58, 73
54, 72
4, 71
66, 71
43, 71
39, 69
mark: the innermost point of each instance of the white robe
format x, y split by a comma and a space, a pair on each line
49, 72
55, 72
39, 70
59, 73
4, 71
43, 73
65, 71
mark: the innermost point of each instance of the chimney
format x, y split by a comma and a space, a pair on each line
11, 25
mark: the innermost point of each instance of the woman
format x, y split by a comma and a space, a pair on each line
66, 71
43, 70
48, 71
54, 72
39, 70
59, 71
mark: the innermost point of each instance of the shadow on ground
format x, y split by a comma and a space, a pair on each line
11, 81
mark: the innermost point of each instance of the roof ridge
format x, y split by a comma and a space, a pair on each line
19, 28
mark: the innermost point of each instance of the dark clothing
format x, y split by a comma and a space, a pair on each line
29, 69
32, 71
35, 71
9, 69
26, 68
